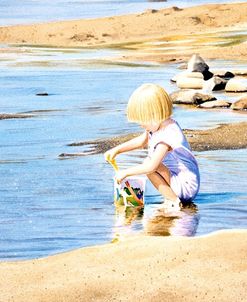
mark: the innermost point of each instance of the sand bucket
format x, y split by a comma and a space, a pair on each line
130, 192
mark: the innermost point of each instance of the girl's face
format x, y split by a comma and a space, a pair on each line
151, 127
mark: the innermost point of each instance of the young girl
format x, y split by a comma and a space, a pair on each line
170, 166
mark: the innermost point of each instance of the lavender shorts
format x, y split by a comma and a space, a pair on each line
185, 185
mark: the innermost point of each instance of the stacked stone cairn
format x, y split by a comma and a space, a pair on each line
197, 84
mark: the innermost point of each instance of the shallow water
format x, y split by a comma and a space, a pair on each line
49, 205
33, 11
220, 204
189, 43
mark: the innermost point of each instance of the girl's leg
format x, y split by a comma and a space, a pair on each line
161, 180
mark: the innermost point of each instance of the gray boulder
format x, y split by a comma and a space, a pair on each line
196, 63
190, 83
190, 97
187, 74
227, 75
214, 84
236, 85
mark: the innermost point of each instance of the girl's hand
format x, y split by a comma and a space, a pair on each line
110, 155
120, 175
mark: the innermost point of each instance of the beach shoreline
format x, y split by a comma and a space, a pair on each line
141, 268
224, 137
140, 34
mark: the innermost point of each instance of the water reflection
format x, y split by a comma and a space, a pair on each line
179, 223
128, 220
155, 221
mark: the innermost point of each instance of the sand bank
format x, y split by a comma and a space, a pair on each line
158, 27
209, 268
226, 136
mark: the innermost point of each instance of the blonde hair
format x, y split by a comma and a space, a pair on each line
149, 103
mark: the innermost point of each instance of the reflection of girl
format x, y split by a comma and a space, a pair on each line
170, 165
180, 223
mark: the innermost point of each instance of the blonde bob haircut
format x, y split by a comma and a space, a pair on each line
149, 103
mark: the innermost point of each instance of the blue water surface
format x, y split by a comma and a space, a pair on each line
48, 204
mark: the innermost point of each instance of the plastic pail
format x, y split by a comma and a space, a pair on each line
123, 196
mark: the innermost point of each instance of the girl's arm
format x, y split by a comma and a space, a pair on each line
147, 167
134, 143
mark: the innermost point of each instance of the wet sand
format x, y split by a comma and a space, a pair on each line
208, 268
226, 136
5, 116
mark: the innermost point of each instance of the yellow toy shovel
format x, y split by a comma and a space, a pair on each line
132, 192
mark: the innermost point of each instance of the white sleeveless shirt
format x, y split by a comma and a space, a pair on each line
183, 167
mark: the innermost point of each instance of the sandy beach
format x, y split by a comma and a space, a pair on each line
143, 268
144, 31
207, 268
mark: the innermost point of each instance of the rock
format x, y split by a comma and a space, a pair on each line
215, 104
177, 9
214, 84
207, 75
190, 97
236, 85
190, 83
187, 74
196, 63
241, 104
42, 94
151, 11
227, 75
